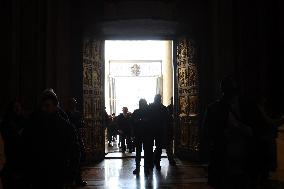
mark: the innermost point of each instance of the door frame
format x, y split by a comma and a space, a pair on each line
183, 152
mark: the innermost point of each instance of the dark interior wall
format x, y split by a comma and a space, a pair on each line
258, 49
250, 38
275, 54
281, 46
38, 48
76, 68
41, 42
252, 25
222, 41
23, 56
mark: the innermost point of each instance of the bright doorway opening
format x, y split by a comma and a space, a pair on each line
136, 69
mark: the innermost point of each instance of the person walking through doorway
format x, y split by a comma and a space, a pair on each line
159, 123
142, 137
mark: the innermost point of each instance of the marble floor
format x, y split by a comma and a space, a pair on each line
113, 151
117, 174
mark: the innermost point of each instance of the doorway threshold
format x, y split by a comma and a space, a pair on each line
120, 155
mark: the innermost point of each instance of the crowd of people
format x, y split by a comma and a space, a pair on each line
148, 126
241, 136
44, 149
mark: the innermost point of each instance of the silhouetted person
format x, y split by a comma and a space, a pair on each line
260, 156
142, 137
125, 130
11, 129
109, 132
112, 129
170, 134
105, 119
159, 122
75, 118
50, 91
227, 136
274, 121
52, 147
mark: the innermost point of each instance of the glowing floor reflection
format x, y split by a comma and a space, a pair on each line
117, 174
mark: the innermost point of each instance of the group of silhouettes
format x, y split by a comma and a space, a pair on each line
44, 149
240, 131
148, 126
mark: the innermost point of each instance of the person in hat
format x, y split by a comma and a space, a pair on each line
51, 145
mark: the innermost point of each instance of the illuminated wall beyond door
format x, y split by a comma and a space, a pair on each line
141, 50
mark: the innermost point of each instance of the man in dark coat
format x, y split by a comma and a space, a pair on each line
159, 123
112, 129
227, 135
170, 134
142, 137
125, 129
52, 148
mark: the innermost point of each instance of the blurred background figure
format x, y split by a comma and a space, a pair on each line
125, 130
12, 128
51, 145
106, 122
170, 134
75, 118
228, 138
274, 120
262, 156
112, 130
50, 92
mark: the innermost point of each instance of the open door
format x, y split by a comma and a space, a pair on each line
186, 100
112, 95
93, 98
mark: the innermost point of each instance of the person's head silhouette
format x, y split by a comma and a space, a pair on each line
158, 99
142, 103
124, 110
49, 93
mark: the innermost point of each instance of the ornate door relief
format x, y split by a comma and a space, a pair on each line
93, 98
187, 139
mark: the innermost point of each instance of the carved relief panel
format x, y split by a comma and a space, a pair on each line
93, 95
187, 141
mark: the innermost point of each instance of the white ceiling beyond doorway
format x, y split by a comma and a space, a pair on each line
139, 52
